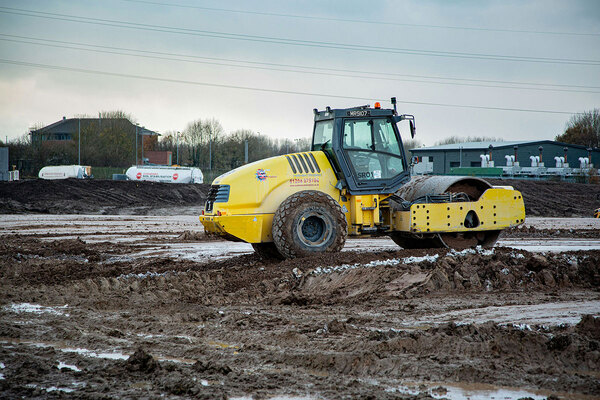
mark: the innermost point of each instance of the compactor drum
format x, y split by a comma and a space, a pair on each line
354, 181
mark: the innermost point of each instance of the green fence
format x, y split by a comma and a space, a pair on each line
476, 171
106, 172
210, 175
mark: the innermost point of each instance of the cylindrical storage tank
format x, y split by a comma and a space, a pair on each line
63, 172
197, 176
167, 175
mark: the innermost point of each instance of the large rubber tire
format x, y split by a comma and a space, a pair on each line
267, 251
309, 222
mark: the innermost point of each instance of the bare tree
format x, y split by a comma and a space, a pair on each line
465, 139
583, 129
410, 144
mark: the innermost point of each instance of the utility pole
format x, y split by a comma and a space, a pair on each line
210, 153
136, 146
143, 145
177, 147
79, 140
246, 151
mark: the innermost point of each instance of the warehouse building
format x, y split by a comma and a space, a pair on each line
67, 129
540, 153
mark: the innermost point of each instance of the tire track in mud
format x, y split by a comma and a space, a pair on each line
247, 327
352, 277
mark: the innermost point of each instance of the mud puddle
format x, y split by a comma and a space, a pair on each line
521, 316
466, 391
550, 244
475, 391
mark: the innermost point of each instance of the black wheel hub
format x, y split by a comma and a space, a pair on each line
313, 228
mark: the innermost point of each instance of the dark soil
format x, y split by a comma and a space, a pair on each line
533, 232
555, 199
76, 196
542, 198
327, 326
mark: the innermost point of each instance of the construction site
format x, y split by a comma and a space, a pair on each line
144, 304
297, 201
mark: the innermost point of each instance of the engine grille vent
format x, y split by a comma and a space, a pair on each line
303, 163
216, 194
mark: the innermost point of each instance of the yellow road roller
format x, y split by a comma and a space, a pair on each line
355, 181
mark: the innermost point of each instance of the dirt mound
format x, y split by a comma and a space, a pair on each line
72, 196
555, 199
76, 196
142, 362
589, 326
344, 278
414, 274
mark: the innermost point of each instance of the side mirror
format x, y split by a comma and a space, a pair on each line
413, 130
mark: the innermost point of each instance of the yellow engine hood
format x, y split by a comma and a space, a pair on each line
256, 190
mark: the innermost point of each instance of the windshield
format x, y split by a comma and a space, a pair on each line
372, 148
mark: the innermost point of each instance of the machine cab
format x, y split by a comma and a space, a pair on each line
364, 146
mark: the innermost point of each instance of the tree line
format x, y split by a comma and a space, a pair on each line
205, 144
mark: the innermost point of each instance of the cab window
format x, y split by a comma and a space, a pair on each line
323, 135
372, 148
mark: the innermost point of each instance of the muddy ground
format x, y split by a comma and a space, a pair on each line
92, 320
555, 199
96, 196
96, 306
71, 196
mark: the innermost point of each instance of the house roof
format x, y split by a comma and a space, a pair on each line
67, 125
496, 145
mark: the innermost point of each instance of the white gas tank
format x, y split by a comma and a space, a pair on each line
65, 172
165, 174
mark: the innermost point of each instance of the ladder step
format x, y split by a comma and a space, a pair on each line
368, 229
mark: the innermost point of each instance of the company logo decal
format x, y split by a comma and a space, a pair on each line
139, 175
175, 176
261, 174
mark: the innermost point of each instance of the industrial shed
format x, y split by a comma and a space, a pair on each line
468, 154
67, 129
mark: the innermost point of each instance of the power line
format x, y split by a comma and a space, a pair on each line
362, 21
271, 66
257, 89
293, 42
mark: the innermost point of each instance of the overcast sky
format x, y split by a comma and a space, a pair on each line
264, 65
